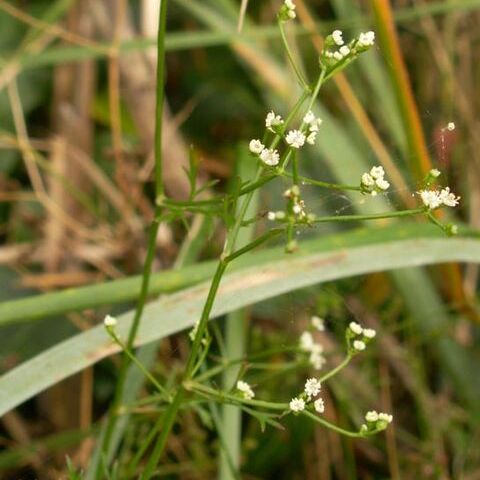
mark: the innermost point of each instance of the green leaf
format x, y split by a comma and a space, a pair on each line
262, 275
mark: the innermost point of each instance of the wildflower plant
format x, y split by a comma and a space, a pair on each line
276, 150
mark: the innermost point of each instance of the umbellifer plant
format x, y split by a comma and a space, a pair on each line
276, 152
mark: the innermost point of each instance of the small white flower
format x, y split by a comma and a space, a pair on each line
297, 404
318, 323
271, 216
280, 215
448, 198
306, 341
317, 360
430, 198
273, 120
371, 416
290, 5
295, 138
315, 125
367, 180
369, 332
110, 321
366, 39
355, 328
337, 37
312, 136
328, 54
344, 50
316, 348
337, 56
373, 193
382, 184
245, 389
377, 172
256, 146
451, 126
292, 14
312, 387
297, 209
319, 405
270, 157
434, 172
309, 117
385, 417
359, 345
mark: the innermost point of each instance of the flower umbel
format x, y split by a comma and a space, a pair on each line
374, 182
269, 157
295, 138
245, 389
256, 146
297, 405
287, 12
273, 121
110, 322
312, 387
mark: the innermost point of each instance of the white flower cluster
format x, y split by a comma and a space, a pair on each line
280, 215
311, 390
318, 323
364, 41
376, 421
268, 156
245, 390
374, 181
313, 124
433, 198
354, 331
308, 344
287, 12
110, 322
273, 121
295, 138
297, 404
296, 203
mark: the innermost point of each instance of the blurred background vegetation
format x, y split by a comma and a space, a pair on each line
77, 96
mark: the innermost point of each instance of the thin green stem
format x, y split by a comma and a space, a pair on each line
249, 187
139, 364
295, 169
226, 364
319, 183
374, 216
305, 94
160, 96
332, 426
147, 268
316, 90
255, 243
166, 423
232, 236
169, 416
339, 367
228, 397
126, 361
299, 75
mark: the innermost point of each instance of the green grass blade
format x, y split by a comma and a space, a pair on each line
272, 274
